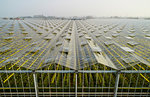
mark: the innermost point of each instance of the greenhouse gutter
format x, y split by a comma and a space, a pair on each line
73, 71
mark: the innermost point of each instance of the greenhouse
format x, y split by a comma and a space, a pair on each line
74, 58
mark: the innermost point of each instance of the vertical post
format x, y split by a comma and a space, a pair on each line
116, 83
35, 84
76, 89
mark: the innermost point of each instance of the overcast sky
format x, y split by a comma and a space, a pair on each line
11, 8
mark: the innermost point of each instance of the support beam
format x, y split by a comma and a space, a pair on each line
134, 71
35, 84
76, 87
15, 71
97, 71
55, 71
73, 71
116, 83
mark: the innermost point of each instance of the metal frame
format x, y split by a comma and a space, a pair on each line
76, 72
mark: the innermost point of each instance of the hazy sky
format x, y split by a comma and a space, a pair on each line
75, 7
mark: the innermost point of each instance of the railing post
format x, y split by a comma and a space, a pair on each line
35, 84
116, 83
